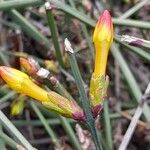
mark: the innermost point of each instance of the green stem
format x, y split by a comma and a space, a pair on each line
61, 90
118, 115
54, 83
46, 125
130, 79
107, 126
70, 132
9, 24
30, 29
4, 59
54, 33
7, 5
87, 20
137, 50
7, 96
103, 141
85, 32
84, 99
8, 140
8, 125
132, 10
52, 122
2, 141
131, 23
73, 12
57, 86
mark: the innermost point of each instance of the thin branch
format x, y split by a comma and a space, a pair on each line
133, 124
84, 99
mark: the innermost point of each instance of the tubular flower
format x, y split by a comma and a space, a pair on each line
20, 82
102, 38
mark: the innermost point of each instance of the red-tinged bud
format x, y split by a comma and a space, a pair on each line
98, 93
21, 83
69, 108
102, 38
104, 28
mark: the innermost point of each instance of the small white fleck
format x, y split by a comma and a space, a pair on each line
47, 5
43, 73
68, 46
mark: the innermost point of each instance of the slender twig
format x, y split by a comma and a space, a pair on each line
4, 59
129, 117
75, 13
87, 20
9, 24
7, 96
85, 32
134, 9
134, 121
8, 125
41, 117
61, 90
57, 86
84, 99
29, 127
52, 122
130, 79
5, 5
137, 50
70, 132
2, 141
26, 26
47, 127
134, 41
54, 32
107, 127
8, 140
131, 23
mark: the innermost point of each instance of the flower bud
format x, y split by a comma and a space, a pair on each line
102, 38
69, 108
98, 92
20, 82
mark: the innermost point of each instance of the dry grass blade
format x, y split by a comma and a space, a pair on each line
133, 124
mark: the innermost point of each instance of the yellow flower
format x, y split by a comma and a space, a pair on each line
102, 38
20, 82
